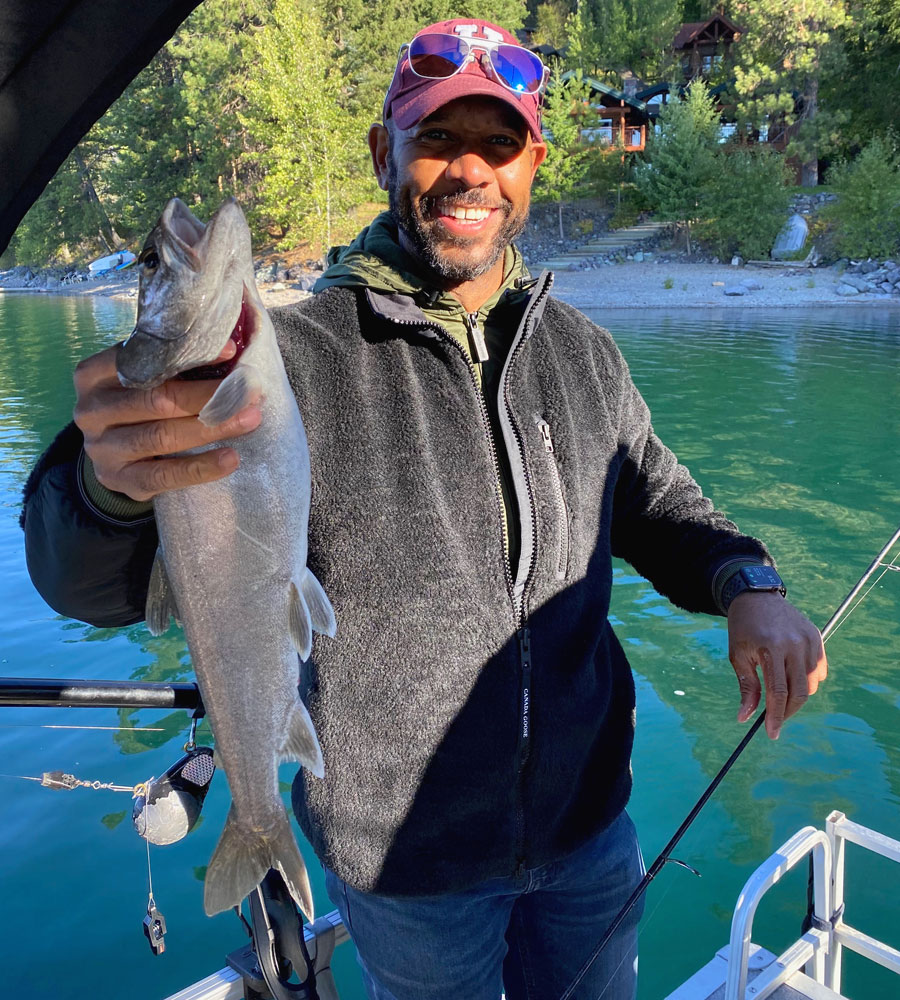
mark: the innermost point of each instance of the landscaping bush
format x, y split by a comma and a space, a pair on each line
746, 203
867, 212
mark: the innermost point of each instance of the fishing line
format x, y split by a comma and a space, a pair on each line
125, 729
663, 858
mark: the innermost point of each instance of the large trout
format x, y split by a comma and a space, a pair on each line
232, 560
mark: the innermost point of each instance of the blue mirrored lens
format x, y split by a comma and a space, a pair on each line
518, 68
436, 56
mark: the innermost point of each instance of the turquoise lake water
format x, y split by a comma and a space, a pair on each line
790, 420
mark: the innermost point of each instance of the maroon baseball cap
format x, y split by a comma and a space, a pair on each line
411, 97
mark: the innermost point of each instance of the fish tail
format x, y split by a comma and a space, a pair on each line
241, 860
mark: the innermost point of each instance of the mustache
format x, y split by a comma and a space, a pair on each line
472, 198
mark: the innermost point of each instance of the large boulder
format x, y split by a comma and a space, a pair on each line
791, 239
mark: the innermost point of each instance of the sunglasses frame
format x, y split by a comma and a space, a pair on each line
485, 46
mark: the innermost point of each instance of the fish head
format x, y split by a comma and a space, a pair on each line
191, 293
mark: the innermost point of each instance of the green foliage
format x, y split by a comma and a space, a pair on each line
867, 212
297, 116
681, 159
747, 203
565, 170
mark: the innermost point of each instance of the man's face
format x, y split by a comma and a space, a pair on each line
460, 185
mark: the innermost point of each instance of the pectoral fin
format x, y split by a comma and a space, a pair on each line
321, 612
301, 743
160, 599
235, 392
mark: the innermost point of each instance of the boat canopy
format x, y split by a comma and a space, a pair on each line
62, 64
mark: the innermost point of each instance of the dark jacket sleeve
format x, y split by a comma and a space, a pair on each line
663, 525
84, 563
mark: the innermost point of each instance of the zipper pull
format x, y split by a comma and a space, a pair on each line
481, 351
544, 428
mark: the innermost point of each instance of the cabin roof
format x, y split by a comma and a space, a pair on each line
598, 87
692, 31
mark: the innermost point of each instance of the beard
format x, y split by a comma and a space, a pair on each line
416, 221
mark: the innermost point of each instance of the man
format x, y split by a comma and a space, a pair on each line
479, 453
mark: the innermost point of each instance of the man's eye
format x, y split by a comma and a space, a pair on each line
433, 134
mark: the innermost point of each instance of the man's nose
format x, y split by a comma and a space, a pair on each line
469, 168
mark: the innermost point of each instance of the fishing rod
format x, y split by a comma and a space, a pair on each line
40, 692
664, 855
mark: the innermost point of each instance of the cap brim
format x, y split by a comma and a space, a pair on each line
423, 101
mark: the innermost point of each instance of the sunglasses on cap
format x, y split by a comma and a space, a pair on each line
437, 56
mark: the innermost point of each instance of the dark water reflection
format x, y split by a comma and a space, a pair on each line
789, 421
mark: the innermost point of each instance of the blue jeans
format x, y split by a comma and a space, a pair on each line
527, 934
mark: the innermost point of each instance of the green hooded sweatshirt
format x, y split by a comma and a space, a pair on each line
376, 260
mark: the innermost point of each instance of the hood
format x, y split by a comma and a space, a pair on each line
375, 260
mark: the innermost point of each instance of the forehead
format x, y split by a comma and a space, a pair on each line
478, 112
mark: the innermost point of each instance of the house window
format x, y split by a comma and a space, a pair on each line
707, 64
633, 137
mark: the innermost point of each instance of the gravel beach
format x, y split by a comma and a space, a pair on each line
661, 283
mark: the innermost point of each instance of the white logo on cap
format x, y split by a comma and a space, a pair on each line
473, 30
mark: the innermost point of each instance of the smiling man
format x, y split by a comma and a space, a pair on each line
479, 454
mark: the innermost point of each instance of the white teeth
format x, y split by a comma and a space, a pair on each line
469, 214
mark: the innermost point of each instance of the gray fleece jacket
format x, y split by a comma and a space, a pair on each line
473, 719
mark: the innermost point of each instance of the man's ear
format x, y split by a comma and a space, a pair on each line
538, 154
379, 147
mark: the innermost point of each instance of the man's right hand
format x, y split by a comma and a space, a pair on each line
134, 436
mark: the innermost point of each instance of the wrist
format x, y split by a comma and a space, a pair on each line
753, 579
105, 502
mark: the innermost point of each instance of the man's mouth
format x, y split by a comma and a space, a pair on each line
465, 214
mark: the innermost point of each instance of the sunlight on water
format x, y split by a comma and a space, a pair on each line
789, 420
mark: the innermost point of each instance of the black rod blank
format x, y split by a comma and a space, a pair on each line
41, 692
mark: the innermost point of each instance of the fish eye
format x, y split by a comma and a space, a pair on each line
149, 258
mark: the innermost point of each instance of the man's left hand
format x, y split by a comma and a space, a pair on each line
765, 630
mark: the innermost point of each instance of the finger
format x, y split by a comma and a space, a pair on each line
150, 478
114, 406
775, 677
821, 658
96, 369
748, 683
798, 679
156, 438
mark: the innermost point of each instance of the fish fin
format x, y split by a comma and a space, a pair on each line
301, 743
160, 599
235, 391
241, 860
321, 612
299, 623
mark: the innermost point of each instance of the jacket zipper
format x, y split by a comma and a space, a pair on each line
562, 513
524, 634
516, 594
477, 337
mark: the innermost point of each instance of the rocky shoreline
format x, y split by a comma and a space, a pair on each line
648, 275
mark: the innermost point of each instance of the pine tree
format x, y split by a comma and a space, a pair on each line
297, 113
780, 61
681, 158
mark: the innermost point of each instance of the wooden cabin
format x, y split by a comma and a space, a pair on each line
704, 47
621, 118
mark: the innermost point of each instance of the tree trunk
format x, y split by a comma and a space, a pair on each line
107, 230
809, 171
562, 235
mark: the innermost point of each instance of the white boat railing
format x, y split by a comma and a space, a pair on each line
817, 953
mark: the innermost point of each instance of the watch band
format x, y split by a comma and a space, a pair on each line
760, 578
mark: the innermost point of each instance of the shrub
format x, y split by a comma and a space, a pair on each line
747, 202
867, 212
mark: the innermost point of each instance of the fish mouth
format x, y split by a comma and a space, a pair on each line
244, 329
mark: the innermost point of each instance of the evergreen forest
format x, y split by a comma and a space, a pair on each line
270, 101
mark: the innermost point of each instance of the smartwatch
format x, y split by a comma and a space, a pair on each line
758, 578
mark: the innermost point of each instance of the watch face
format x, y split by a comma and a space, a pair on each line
761, 577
